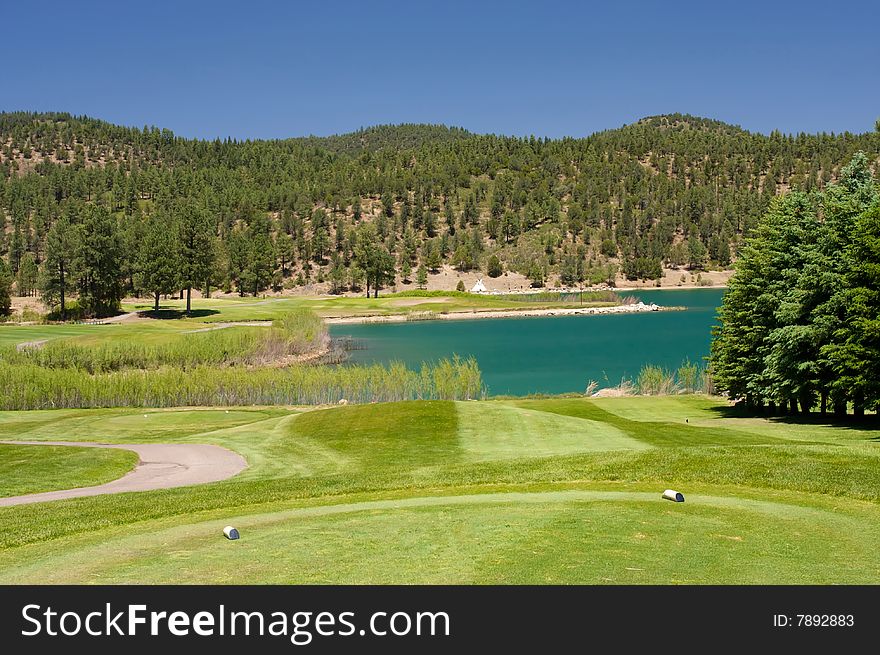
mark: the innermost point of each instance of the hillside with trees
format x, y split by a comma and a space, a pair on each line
97, 212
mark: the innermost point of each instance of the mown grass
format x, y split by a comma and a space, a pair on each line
253, 309
26, 469
14, 334
415, 492
543, 536
666, 433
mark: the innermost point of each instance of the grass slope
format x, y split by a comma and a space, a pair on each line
530, 491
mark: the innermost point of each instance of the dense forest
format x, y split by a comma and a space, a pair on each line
96, 211
800, 322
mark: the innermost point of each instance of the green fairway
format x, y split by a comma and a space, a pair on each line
212, 310
86, 334
520, 491
32, 469
11, 334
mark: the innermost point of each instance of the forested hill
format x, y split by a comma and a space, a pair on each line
667, 191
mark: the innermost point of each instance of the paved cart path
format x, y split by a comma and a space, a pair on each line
161, 466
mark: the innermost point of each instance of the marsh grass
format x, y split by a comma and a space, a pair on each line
29, 386
228, 366
297, 332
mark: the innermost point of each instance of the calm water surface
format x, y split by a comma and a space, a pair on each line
519, 356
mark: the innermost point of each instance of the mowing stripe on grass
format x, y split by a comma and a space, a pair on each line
656, 433
400, 435
491, 430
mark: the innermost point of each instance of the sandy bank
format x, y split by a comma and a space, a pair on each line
634, 308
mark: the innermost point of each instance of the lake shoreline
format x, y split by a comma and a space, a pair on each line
634, 308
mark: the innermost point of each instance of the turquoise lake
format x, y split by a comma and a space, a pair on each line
518, 356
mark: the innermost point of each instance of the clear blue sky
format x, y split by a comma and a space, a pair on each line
254, 69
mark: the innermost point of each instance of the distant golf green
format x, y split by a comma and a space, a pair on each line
519, 356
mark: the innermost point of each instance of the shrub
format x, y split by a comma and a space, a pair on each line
493, 268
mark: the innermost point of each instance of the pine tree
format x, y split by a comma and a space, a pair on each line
858, 354
376, 262
405, 270
58, 274
196, 233
26, 280
260, 263
97, 263
696, 253
799, 321
5, 288
160, 258
338, 274
791, 353
284, 251
843, 238
493, 268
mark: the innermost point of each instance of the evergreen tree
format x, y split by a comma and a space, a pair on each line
196, 233
376, 262
422, 276
260, 262
97, 263
58, 273
856, 353
237, 253
284, 251
338, 274
160, 258
405, 271
696, 253
5, 288
131, 234
493, 268
26, 280
843, 239
799, 322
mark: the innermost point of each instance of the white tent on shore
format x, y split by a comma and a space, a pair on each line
479, 287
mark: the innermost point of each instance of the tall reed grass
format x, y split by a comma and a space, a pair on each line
28, 386
688, 378
298, 332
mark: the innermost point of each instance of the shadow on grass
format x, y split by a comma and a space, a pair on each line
868, 422
169, 314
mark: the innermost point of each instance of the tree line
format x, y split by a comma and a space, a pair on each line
668, 191
800, 322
